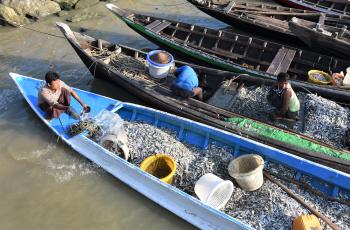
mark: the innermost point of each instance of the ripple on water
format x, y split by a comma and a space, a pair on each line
64, 172
34, 154
62, 166
7, 97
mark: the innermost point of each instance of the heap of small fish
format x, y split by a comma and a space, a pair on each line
319, 77
252, 102
192, 163
326, 120
267, 208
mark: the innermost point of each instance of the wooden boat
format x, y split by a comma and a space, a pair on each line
237, 53
318, 36
158, 94
268, 20
193, 133
334, 7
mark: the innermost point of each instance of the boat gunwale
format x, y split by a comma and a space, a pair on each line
206, 130
190, 113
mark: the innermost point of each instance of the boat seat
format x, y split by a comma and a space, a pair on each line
153, 24
224, 96
281, 61
229, 7
321, 19
161, 27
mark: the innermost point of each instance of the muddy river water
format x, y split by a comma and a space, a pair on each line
43, 183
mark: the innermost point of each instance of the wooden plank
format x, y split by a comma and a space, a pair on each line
287, 61
277, 60
153, 24
99, 44
161, 27
229, 7
201, 40
322, 19
175, 29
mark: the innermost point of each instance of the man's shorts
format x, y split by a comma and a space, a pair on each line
181, 92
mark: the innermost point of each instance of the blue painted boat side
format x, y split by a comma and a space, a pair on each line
196, 134
29, 86
189, 131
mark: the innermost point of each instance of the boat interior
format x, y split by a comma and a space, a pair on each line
221, 88
246, 51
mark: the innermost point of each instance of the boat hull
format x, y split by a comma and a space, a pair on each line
317, 40
288, 38
200, 135
301, 4
158, 100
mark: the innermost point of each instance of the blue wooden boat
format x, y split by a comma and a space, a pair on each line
194, 133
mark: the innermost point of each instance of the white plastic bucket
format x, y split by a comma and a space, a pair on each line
247, 171
213, 190
113, 142
158, 70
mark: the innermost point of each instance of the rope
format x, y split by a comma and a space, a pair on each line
38, 31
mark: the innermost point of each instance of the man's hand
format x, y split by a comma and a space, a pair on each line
172, 69
86, 108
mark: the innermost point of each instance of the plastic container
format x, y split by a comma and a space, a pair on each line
161, 166
114, 143
158, 70
306, 222
312, 79
213, 190
247, 171
346, 80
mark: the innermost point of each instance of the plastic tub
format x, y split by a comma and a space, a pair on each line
161, 166
113, 143
247, 170
312, 79
158, 70
213, 190
306, 222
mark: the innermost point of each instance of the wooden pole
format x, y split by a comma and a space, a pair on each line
301, 201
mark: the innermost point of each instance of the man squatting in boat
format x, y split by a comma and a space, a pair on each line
55, 97
186, 82
283, 97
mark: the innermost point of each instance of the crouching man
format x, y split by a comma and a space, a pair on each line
55, 96
186, 83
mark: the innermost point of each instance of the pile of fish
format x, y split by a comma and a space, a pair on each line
326, 120
192, 163
252, 102
267, 208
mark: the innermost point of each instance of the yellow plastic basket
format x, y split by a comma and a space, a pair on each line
312, 79
161, 166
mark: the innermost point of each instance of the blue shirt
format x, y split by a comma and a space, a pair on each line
187, 78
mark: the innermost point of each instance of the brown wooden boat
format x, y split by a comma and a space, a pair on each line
332, 7
265, 19
237, 53
319, 36
126, 67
